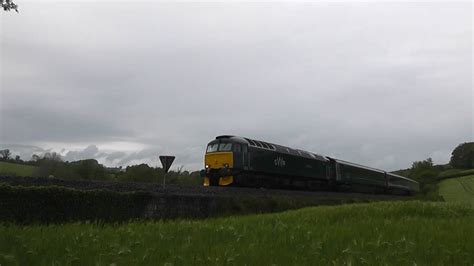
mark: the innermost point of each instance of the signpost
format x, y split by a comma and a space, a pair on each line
166, 161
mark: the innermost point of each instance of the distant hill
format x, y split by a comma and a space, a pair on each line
7, 168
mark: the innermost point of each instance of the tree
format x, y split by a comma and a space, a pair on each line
463, 156
53, 156
140, 173
426, 164
5, 154
89, 169
8, 5
423, 171
35, 157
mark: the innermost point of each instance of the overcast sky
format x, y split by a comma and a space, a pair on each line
380, 84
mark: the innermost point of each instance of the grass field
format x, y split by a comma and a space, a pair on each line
17, 169
386, 233
459, 189
455, 173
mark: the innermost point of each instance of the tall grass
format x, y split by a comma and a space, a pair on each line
385, 233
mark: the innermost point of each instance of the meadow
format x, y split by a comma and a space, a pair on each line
7, 168
383, 233
459, 189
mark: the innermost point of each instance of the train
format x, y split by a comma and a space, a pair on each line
244, 162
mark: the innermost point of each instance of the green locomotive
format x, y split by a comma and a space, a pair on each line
239, 161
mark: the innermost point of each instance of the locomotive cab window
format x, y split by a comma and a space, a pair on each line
225, 147
212, 147
219, 147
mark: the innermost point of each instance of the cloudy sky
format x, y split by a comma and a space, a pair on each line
381, 84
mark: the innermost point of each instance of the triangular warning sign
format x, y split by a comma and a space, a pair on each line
166, 161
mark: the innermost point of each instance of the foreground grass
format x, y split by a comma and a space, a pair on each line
459, 189
17, 169
392, 233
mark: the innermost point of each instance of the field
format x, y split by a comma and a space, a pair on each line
459, 189
385, 233
455, 173
16, 169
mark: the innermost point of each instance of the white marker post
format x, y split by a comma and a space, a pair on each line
166, 161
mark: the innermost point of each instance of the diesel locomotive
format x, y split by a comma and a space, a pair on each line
239, 161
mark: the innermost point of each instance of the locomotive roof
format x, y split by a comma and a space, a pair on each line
273, 147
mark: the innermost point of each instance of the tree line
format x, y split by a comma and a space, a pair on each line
428, 174
51, 164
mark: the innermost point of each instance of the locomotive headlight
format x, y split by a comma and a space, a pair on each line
207, 166
226, 165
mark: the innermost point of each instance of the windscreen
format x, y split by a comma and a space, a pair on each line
219, 147
225, 146
212, 147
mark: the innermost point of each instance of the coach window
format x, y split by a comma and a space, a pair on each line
212, 147
225, 147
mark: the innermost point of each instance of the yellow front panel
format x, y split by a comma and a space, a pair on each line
216, 160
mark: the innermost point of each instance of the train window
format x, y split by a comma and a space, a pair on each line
270, 146
265, 145
252, 143
258, 144
225, 146
212, 147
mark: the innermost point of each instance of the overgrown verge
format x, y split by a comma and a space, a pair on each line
385, 233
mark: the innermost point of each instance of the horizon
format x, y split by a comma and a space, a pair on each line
71, 156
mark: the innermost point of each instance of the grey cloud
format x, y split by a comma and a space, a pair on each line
24, 151
348, 80
114, 156
90, 151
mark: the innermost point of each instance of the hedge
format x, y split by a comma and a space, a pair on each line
56, 204
53, 204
